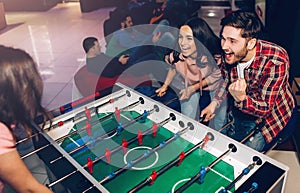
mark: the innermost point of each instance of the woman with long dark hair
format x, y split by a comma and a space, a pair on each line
194, 63
213, 43
21, 90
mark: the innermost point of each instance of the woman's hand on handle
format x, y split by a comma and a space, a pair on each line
209, 111
186, 93
162, 90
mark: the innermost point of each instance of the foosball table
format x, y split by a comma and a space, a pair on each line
127, 142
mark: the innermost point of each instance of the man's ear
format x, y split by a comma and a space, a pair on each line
122, 25
251, 43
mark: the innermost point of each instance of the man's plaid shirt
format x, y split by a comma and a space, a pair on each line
269, 95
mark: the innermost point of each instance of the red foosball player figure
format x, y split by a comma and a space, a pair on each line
205, 140
118, 114
154, 129
88, 128
181, 157
107, 155
153, 177
60, 123
88, 114
90, 165
140, 137
124, 145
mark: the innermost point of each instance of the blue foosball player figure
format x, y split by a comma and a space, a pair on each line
202, 174
144, 116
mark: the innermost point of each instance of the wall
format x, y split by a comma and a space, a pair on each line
2, 17
282, 25
29, 5
91, 5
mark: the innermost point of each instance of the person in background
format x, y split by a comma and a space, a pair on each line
134, 3
158, 13
101, 64
196, 67
140, 41
256, 83
143, 44
21, 90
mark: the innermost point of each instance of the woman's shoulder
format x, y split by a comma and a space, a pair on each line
4, 131
3, 127
7, 142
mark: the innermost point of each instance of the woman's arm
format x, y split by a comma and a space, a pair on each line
14, 172
162, 90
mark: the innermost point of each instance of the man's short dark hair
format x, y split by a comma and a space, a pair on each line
247, 21
88, 43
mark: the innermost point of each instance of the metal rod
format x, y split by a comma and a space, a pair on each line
61, 179
76, 131
170, 101
225, 126
70, 119
89, 188
170, 164
231, 148
27, 138
141, 100
104, 136
35, 151
109, 133
167, 102
93, 123
256, 161
248, 136
144, 156
254, 186
132, 140
112, 100
219, 158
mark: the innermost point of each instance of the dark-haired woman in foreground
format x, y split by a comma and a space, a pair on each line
20, 101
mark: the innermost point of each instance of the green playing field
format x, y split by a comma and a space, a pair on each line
95, 146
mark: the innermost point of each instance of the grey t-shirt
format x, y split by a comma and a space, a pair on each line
105, 66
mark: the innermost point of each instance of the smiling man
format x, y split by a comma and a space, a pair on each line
256, 82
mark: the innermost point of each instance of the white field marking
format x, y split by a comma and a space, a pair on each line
140, 147
183, 180
111, 136
221, 175
74, 142
125, 117
222, 188
180, 181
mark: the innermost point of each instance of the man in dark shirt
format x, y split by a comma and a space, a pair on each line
106, 66
101, 64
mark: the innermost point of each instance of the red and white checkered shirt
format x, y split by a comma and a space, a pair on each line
269, 95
